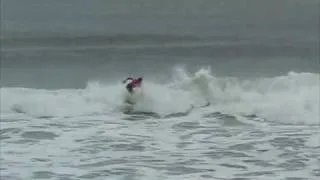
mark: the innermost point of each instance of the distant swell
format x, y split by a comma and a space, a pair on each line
217, 45
56, 39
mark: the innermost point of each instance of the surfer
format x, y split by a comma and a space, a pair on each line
132, 83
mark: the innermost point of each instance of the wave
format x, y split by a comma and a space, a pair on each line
291, 98
96, 39
66, 42
56, 38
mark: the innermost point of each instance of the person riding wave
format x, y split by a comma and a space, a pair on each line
133, 83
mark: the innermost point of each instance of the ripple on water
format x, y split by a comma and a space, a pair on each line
128, 147
283, 142
24, 141
260, 173
40, 160
242, 147
4, 137
259, 162
39, 135
103, 163
226, 119
223, 154
123, 171
7, 133
9, 130
183, 145
187, 125
316, 172
92, 175
201, 132
296, 178
293, 164
43, 175
233, 166
182, 170
126, 173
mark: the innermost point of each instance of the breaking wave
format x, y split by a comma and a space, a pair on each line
291, 98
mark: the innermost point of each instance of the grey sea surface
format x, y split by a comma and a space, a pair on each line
230, 91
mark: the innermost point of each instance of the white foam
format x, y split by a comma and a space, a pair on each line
291, 98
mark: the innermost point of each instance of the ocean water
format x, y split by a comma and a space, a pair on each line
231, 90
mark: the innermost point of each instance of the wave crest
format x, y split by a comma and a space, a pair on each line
291, 98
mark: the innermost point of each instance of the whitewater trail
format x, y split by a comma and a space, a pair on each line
291, 98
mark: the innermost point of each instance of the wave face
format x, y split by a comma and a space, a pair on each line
292, 98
